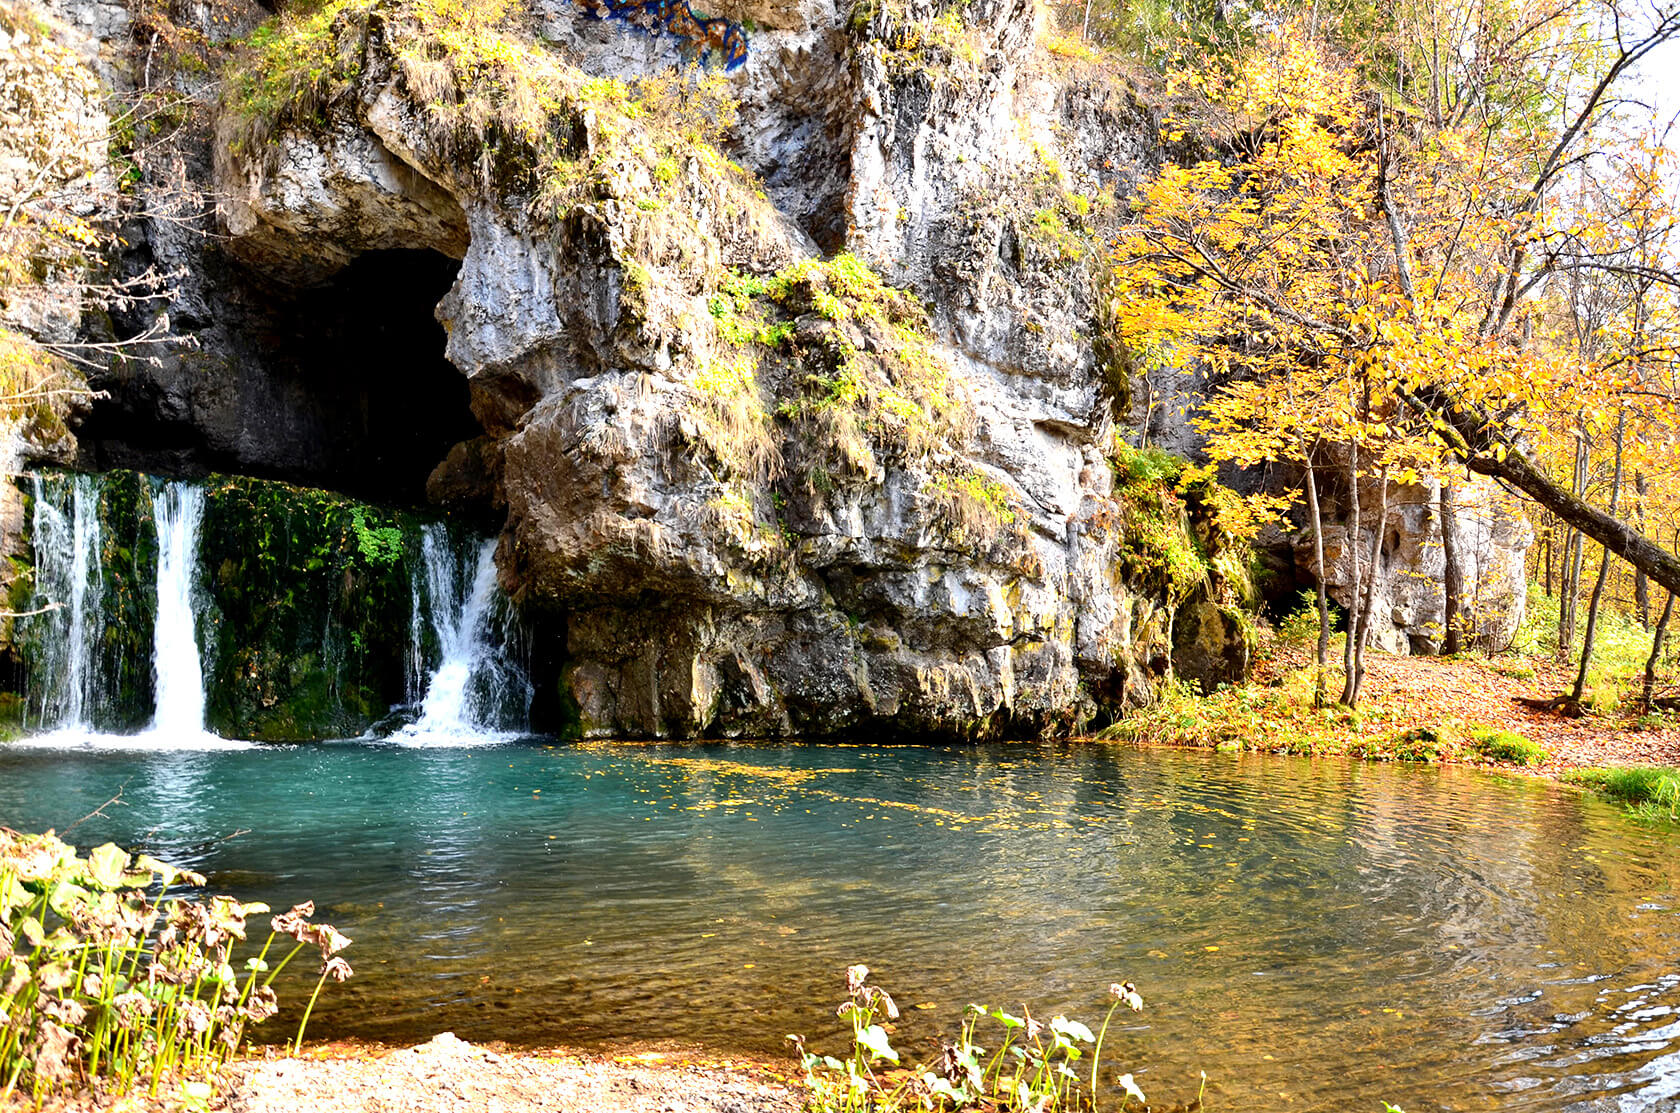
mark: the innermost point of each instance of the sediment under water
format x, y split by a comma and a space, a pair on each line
1313, 935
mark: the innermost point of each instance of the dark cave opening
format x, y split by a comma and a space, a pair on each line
343, 386
371, 334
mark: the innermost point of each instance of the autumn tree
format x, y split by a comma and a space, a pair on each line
1386, 216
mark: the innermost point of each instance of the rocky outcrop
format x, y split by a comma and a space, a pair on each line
763, 491
787, 387
1490, 536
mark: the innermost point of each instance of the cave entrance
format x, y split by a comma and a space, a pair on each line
343, 386
367, 348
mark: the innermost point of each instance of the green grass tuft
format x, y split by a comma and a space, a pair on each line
1649, 791
1506, 745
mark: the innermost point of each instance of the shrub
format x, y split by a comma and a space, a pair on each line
89, 991
1300, 626
1146, 467
1425, 744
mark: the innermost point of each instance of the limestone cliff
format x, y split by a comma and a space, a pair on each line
789, 388
765, 490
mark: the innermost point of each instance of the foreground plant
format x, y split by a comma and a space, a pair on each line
1032, 1070
94, 991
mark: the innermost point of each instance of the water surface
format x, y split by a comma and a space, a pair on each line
1313, 935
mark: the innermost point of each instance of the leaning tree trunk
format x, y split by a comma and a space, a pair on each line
1603, 572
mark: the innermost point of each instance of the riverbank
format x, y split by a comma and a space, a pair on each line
448, 1075
1412, 709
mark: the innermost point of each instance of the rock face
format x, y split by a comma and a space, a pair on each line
787, 387
1490, 537
869, 513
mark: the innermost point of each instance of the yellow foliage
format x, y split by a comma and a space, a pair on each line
1280, 268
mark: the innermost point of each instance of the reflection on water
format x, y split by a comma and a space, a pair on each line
1315, 936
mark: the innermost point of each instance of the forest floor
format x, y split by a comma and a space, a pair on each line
1412, 708
1489, 691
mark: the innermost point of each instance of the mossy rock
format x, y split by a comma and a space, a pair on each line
1423, 745
308, 629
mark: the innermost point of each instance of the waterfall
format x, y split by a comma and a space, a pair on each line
177, 510
69, 593
477, 689
303, 635
78, 658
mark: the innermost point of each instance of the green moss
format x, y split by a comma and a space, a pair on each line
11, 716
975, 504
294, 65
376, 545
1158, 551
874, 390
1425, 744
1145, 467
1505, 745
499, 107
309, 623
1051, 232
860, 387
933, 44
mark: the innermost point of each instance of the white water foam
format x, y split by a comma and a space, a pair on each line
149, 740
468, 696
177, 510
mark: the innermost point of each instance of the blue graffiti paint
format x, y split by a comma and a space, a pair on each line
715, 39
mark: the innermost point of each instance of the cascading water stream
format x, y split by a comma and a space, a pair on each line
69, 590
476, 690
111, 612
76, 676
177, 511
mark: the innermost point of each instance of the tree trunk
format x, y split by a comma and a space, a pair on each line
1650, 686
1322, 656
1353, 569
1569, 579
1569, 591
1548, 542
1355, 678
1452, 575
1603, 571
